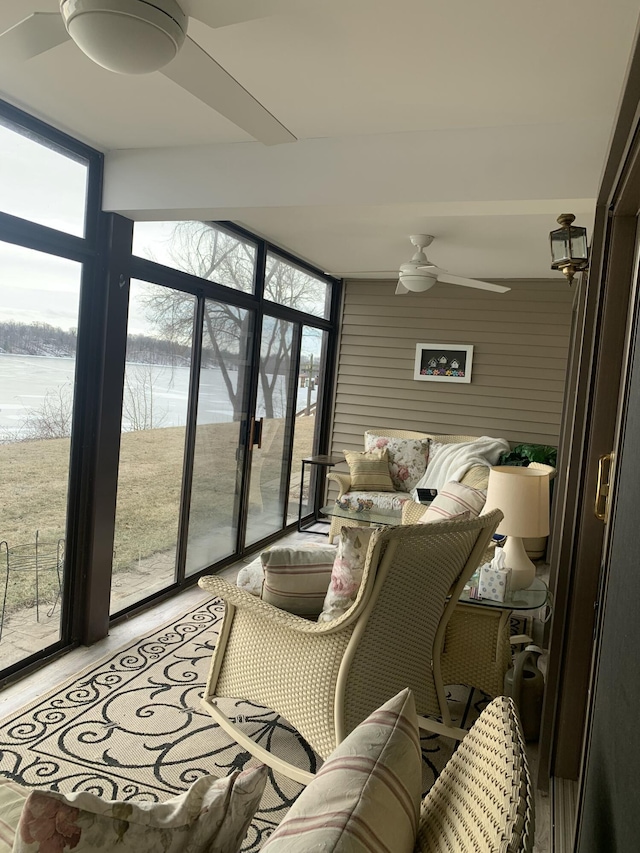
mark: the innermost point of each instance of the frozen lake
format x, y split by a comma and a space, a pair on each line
25, 381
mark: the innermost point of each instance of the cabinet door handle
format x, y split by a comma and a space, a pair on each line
601, 505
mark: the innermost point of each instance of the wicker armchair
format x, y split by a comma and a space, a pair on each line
483, 799
325, 678
475, 477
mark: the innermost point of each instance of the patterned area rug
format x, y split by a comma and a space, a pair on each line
131, 727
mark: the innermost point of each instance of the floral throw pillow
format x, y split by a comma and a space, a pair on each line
407, 458
211, 817
346, 573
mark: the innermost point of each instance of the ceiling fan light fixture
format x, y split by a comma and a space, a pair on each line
126, 36
415, 280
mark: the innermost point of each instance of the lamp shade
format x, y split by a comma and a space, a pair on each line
523, 496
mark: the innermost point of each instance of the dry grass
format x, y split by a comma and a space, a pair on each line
34, 493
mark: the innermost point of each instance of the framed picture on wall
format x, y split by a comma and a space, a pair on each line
443, 362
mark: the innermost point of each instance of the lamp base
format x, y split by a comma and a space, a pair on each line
523, 571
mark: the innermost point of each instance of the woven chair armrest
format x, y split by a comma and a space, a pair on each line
342, 479
412, 512
240, 598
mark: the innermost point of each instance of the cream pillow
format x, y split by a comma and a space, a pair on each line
211, 817
346, 571
12, 800
366, 795
297, 579
455, 500
369, 471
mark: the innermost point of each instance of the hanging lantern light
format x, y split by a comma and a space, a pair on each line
569, 251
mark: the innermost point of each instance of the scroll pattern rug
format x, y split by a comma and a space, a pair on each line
131, 727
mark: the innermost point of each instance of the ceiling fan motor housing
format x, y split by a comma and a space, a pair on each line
126, 36
416, 279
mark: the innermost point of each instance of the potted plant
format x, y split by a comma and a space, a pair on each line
523, 454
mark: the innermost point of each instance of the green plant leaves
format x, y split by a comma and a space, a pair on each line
523, 454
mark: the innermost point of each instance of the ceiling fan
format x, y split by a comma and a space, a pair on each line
143, 36
419, 274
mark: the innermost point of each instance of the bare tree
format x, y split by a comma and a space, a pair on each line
211, 253
52, 419
138, 408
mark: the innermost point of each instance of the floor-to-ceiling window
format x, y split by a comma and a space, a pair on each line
159, 384
47, 246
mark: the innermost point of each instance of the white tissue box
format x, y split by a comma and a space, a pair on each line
494, 584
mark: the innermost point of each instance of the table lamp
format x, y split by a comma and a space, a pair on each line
523, 496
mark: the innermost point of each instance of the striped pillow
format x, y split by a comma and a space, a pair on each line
366, 795
455, 500
297, 579
369, 471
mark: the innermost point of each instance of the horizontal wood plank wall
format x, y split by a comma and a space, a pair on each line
520, 341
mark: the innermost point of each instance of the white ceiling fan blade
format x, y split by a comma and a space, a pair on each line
222, 13
472, 282
198, 73
32, 36
401, 289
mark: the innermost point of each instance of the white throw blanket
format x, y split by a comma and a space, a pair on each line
452, 461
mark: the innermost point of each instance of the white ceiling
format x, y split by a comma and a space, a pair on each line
478, 122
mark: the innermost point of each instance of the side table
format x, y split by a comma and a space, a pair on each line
477, 646
322, 461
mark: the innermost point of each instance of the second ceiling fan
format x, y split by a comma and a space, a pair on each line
419, 274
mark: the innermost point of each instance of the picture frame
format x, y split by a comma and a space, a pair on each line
443, 362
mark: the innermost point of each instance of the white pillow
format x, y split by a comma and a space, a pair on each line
211, 817
366, 795
12, 800
250, 577
455, 500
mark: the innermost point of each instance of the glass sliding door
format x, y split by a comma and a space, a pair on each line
154, 418
310, 379
39, 295
230, 480
219, 450
270, 454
